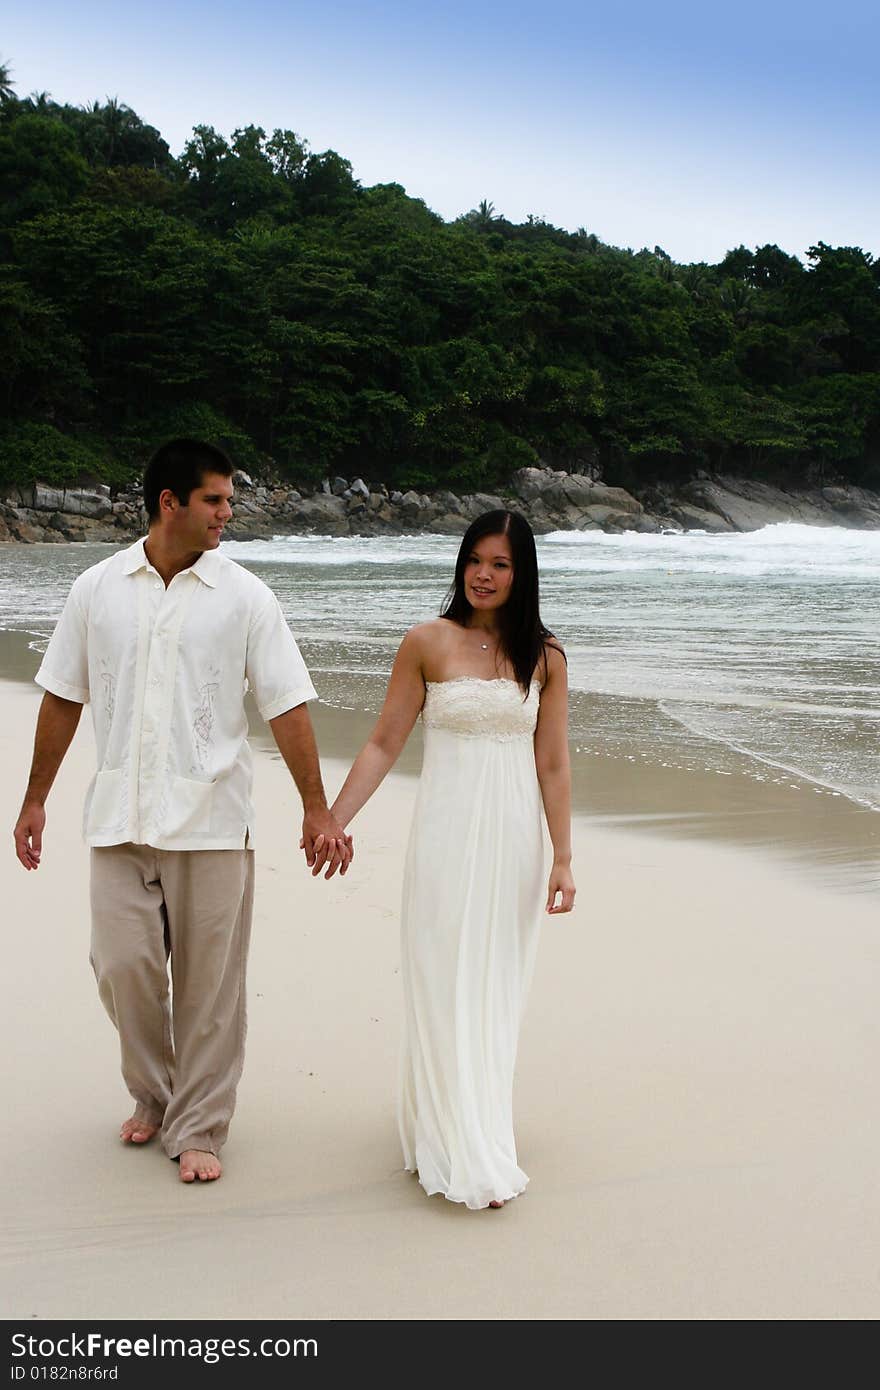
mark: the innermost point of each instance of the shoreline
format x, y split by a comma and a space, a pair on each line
785, 818
694, 1097
550, 499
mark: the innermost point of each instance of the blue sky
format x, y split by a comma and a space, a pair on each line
695, 127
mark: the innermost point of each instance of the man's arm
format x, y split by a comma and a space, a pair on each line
56, 726
324, 840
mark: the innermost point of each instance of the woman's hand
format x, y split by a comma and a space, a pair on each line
561, 884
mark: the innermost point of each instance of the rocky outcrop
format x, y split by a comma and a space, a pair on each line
723, 503
550, 499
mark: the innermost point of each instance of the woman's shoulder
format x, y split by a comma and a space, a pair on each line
425, 637
431, 631
553, 661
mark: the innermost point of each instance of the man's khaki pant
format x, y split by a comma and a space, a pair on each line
182, 1053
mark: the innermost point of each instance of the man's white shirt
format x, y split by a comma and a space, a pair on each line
165, 672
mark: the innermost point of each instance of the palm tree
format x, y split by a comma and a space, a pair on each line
738, 299
109, 126
7, 91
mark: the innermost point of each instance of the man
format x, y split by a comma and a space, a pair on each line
164, 638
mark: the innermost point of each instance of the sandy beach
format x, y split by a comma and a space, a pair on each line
696, 1097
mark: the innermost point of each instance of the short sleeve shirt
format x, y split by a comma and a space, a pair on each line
165, 671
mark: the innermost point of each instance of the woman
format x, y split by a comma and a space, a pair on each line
490, 683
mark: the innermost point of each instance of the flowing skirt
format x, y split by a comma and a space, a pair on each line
472, 900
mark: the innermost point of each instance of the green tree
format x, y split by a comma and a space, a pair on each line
7, 89
40, 169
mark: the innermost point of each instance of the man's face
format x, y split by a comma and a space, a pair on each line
199, 524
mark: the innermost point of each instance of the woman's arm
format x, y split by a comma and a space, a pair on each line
403, 701
554, 776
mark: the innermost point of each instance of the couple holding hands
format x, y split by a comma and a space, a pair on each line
163, 639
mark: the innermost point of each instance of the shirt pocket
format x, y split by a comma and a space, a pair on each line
189, 807
105, 806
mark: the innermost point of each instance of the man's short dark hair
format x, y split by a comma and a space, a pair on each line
180, 465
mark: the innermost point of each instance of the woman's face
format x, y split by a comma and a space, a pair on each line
488, 573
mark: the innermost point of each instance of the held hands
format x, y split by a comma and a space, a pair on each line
325, 843
561, 885
28, 835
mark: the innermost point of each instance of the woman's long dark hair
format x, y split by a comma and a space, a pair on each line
522, 635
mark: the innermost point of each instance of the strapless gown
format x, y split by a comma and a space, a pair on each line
472, 901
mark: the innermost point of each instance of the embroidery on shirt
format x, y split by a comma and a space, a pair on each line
203, 722
108, 681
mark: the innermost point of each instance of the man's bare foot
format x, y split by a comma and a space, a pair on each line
197, 1164
135, 1131
496, 1205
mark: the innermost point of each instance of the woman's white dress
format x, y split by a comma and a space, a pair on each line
472, 901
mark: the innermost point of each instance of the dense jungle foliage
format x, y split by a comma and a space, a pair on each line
253, 292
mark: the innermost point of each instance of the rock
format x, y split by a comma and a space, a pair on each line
30, 532
47, 499
75, 501
385, 514
376, 501
323, 514
338, 486
696, 519
411, 505
748, 505
396, 497
448, 503
565, 491
448, 524
741, 514
647, 525
360, 488
83, 528
539, 518
581, 492
620, 522
853, 506
355, 504
325, 488
5, 533
241, 479
13, 496
529, 483
476, 504
91, 504
599, 514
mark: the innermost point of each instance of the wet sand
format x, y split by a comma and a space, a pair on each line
695, 1101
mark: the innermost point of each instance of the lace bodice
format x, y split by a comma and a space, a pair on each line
478, 708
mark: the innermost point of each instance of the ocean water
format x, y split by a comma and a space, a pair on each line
756, 655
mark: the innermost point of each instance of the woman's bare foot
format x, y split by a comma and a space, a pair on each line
135, 1131
197, 1164
496, 1205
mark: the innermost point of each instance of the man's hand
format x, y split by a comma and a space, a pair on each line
28, 834
325, 843
56, 726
